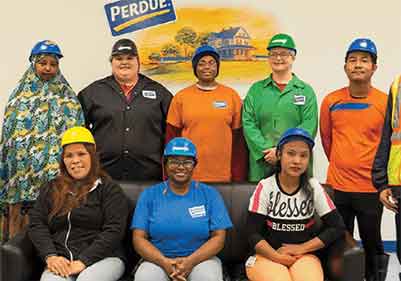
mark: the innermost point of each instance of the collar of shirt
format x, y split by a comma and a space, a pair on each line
206, 89
127, 89
295, 81
281, 86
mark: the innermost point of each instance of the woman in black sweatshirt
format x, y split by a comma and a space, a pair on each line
79, 220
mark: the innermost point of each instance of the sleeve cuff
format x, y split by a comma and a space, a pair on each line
48, 256
85, 260
324, 239
255, 239
382, 188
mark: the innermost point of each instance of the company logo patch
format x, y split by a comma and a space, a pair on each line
149, 94
180, 148
122, 48
299, 100
281, 41
220, 104
130, 15
197, 211
47, 44
363, 44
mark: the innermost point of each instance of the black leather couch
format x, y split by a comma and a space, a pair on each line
19, 261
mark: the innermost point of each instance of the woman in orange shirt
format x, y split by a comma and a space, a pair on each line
209, 114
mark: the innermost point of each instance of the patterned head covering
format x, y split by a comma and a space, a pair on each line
37, 58
36, 115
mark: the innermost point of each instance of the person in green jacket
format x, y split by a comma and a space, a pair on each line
272, 105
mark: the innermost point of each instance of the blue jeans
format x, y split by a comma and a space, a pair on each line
108, 269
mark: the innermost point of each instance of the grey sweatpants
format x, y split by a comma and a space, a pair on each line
209, 270
108, 269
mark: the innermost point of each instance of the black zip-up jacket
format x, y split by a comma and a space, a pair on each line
130, 135
89, 233
379, 167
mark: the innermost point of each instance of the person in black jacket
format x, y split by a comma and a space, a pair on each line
79, 219
126, 113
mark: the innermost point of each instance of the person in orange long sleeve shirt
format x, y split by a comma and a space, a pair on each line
351, 121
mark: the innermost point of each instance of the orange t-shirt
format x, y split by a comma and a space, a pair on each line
207, 118
350, 129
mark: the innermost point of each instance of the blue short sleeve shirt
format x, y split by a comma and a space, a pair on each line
178, 225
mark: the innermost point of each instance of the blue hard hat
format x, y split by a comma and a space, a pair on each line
202, 51
362, 45
45, 47
295, 134
180, 147
206, 50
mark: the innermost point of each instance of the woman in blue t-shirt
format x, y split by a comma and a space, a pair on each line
179, 225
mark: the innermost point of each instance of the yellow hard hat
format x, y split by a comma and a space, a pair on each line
77, 135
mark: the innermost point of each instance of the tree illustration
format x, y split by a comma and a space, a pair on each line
203, 38
155, 57
170, 50
186, 37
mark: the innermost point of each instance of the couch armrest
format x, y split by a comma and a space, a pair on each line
354, 264
344, 261
19, 257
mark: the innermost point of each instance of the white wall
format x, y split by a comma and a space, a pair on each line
322, 30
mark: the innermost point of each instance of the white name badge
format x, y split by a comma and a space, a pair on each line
149, 94
219, 104
299, 100
197, 211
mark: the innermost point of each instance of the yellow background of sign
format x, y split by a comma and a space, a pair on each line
260, 26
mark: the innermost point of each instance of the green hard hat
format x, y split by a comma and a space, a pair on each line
282, 40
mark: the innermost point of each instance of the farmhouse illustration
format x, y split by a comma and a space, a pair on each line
232, 43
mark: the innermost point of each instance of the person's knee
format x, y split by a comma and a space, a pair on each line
307, 268
108, 269
148, 271
308, 261
263, 275
210, 270
206, 276
266, 270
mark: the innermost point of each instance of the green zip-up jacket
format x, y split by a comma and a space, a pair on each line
267, 113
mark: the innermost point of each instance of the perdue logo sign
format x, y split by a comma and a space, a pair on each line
130, 15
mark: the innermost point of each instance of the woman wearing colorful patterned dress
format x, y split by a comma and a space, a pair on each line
39, 110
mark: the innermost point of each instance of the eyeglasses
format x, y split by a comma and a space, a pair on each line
211, 63
276, 55
175, 163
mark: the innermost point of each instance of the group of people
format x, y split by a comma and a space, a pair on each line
137, 130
